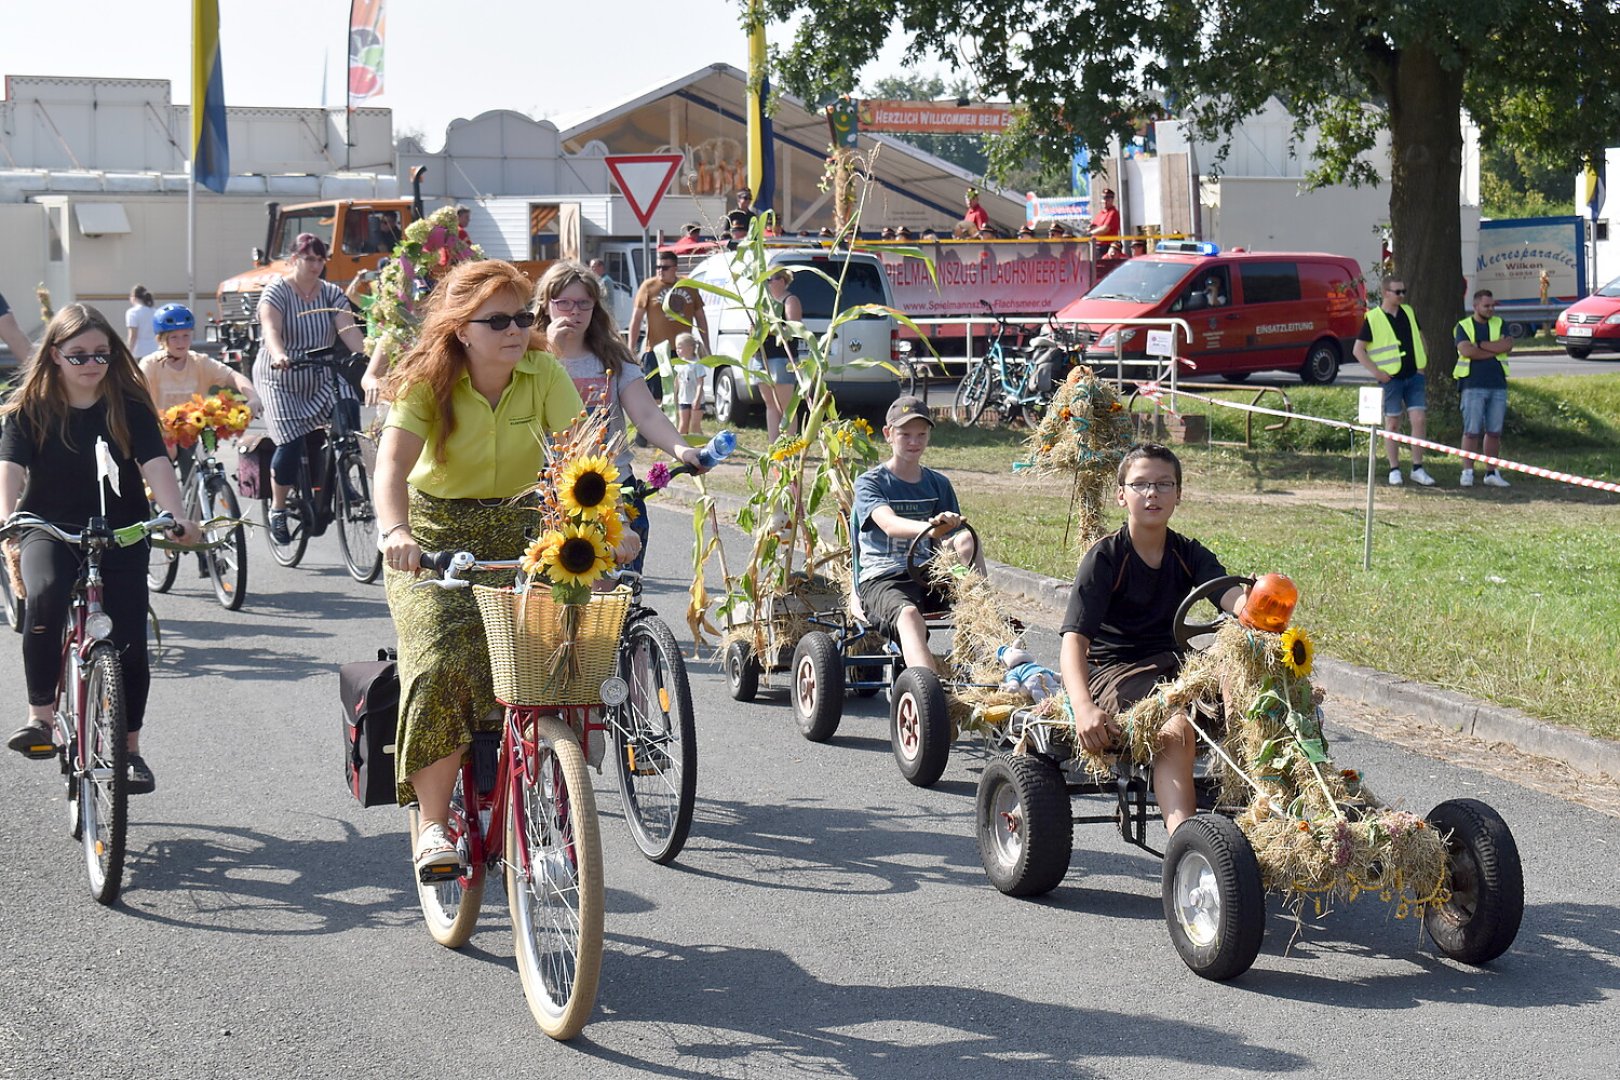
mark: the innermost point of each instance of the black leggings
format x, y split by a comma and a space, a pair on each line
49, 569
284, 462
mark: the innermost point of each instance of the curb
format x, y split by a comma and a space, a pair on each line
1429, 705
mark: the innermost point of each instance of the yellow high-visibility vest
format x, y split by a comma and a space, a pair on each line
1467, 326
1385, 351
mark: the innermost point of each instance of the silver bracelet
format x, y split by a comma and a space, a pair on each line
392, 529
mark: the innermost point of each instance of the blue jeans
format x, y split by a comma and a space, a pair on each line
1402, 394
641, 527
1484, 410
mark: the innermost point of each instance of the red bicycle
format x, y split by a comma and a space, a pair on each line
90, 726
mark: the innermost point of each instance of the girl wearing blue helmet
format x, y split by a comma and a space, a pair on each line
173, 373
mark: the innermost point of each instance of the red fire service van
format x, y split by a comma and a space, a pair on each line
1249, 310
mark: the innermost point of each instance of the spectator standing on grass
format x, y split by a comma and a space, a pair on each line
652, 326
11, 333
1390, 346
142, 339
1481, 375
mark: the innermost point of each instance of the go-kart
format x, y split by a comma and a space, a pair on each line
1305, 829
843, 652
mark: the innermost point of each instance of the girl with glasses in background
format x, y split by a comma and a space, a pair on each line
580, 332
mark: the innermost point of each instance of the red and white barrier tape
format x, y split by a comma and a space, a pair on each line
1156, 391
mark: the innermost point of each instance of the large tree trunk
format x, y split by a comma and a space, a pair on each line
1425, 103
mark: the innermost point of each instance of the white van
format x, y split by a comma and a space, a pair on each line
859, 390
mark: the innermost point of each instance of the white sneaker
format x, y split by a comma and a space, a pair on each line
1496, 479
1468, 478
434, 849
1420, 475
1395, 478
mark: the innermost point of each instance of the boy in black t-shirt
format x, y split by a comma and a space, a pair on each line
1118, 639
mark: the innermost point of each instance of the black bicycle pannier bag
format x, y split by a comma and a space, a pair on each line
369, 691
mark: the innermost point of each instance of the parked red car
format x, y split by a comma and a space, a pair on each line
1591, 325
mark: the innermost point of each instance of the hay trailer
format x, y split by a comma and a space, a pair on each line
1220, 864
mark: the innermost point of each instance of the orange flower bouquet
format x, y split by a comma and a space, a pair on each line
222, 415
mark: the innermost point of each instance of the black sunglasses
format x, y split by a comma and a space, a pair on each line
81, 359
1397, 292
498, 323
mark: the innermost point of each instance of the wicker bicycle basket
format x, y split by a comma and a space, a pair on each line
525, 631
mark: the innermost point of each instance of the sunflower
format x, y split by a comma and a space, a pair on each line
579, 558
1297, 651
535, 558
612, 530
590, 487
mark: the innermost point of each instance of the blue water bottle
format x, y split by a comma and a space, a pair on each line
717, 449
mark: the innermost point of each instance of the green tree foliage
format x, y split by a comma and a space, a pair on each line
1537, 74
1514, 185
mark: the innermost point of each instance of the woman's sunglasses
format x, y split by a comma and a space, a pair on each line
81, 359
498, 323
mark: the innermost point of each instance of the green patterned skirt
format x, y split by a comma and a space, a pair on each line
445, 692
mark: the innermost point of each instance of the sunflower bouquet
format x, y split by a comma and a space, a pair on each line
221, 415
581, 506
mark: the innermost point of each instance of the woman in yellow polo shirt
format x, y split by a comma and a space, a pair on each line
472, 402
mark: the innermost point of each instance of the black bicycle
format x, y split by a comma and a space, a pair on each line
209, 497
334, 487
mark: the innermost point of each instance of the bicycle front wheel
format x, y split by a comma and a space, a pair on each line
554, 881
104, 775
227, 564
356, 520
292, 552
162, 566
654, 741
972, 394
450, 908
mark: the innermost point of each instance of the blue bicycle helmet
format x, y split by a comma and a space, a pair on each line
173, 317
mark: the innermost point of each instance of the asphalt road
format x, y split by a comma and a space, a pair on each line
825, 920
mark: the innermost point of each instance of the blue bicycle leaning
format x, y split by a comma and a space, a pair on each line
1000, 382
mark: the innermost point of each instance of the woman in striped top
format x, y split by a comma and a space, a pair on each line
300, 313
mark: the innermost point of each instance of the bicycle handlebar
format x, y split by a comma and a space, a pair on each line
125, 536
450, 565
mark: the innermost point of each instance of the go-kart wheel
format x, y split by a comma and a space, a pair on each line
1026, 829
818, 686
1185, 628
917, 569
742, 671
1482, 917
1214, 901
920, 726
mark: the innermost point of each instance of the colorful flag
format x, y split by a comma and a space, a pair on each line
366, 22
210, 149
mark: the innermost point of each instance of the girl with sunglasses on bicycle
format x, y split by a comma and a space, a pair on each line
81, 386
300, 313
472, 403
580, 332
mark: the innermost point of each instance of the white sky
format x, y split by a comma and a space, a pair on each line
444, 59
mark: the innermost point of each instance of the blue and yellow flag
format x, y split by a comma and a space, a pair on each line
210, 149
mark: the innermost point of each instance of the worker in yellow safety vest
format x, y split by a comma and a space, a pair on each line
1481, 374
1390, 346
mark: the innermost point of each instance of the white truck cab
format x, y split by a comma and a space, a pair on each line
858, 390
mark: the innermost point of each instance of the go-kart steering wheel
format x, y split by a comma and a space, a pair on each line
1184, 628
915, 569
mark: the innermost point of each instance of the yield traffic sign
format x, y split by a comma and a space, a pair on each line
643, 178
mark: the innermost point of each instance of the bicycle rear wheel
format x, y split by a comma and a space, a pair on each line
654, 741
356, 519
972, 393
450, 908
227, 564
104, 780
554, 881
